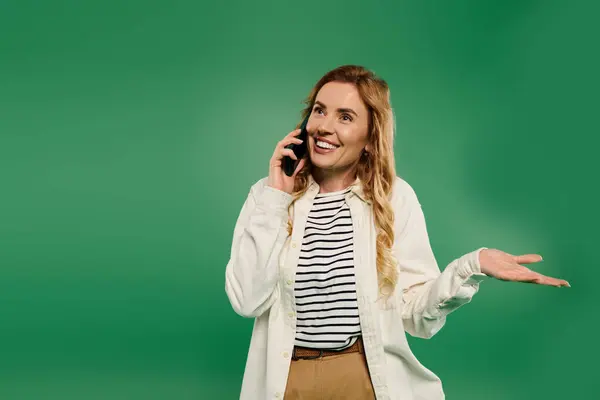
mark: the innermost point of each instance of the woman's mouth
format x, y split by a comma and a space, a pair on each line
323, 147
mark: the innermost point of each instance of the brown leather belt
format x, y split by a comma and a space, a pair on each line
305, 353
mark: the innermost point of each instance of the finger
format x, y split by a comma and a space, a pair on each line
292, 134
299, 167
549, 281
287, 152
528, 258
276, 159
540, 279
519, 273
295, 132
289, 140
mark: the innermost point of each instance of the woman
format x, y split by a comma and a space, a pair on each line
334, 262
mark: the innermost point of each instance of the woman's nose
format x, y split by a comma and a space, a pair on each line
327, 125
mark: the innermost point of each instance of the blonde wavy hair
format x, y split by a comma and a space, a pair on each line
376, 169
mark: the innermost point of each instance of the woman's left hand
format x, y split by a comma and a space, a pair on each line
506, 267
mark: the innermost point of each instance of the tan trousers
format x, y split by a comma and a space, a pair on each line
341, 376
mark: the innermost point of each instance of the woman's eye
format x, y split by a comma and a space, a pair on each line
318, 109
348, 117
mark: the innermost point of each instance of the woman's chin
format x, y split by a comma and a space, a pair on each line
317, 161
320, 165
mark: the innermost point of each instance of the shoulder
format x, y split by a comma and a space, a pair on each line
405, 203
403, 192
258, 187
260, 184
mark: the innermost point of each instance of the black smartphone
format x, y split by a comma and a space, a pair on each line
289, 164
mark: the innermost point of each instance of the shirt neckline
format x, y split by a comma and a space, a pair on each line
336, 193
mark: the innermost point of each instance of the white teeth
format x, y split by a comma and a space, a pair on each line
325, 145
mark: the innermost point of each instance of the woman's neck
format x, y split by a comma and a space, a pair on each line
333, 181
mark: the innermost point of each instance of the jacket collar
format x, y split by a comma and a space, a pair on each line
356, 188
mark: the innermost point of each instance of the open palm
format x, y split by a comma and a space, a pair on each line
507, 267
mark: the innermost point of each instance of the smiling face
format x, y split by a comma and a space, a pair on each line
338, 128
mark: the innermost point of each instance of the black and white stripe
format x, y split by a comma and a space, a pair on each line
325, 289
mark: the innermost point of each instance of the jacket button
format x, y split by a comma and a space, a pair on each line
294, 244
289, 282
286, 354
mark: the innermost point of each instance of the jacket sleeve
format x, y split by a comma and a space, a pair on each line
427, 295
260, 231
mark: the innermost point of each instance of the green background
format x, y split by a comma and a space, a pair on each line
131, 131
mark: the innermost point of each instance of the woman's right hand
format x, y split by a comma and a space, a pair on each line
277, 177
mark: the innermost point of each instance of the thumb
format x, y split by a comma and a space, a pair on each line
299, 167
528, 258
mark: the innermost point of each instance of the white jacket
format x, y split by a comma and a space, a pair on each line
260, 284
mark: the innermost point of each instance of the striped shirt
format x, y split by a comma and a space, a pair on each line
325, 289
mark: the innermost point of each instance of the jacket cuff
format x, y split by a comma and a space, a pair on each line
469, 268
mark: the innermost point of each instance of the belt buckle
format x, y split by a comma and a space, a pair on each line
295, 357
